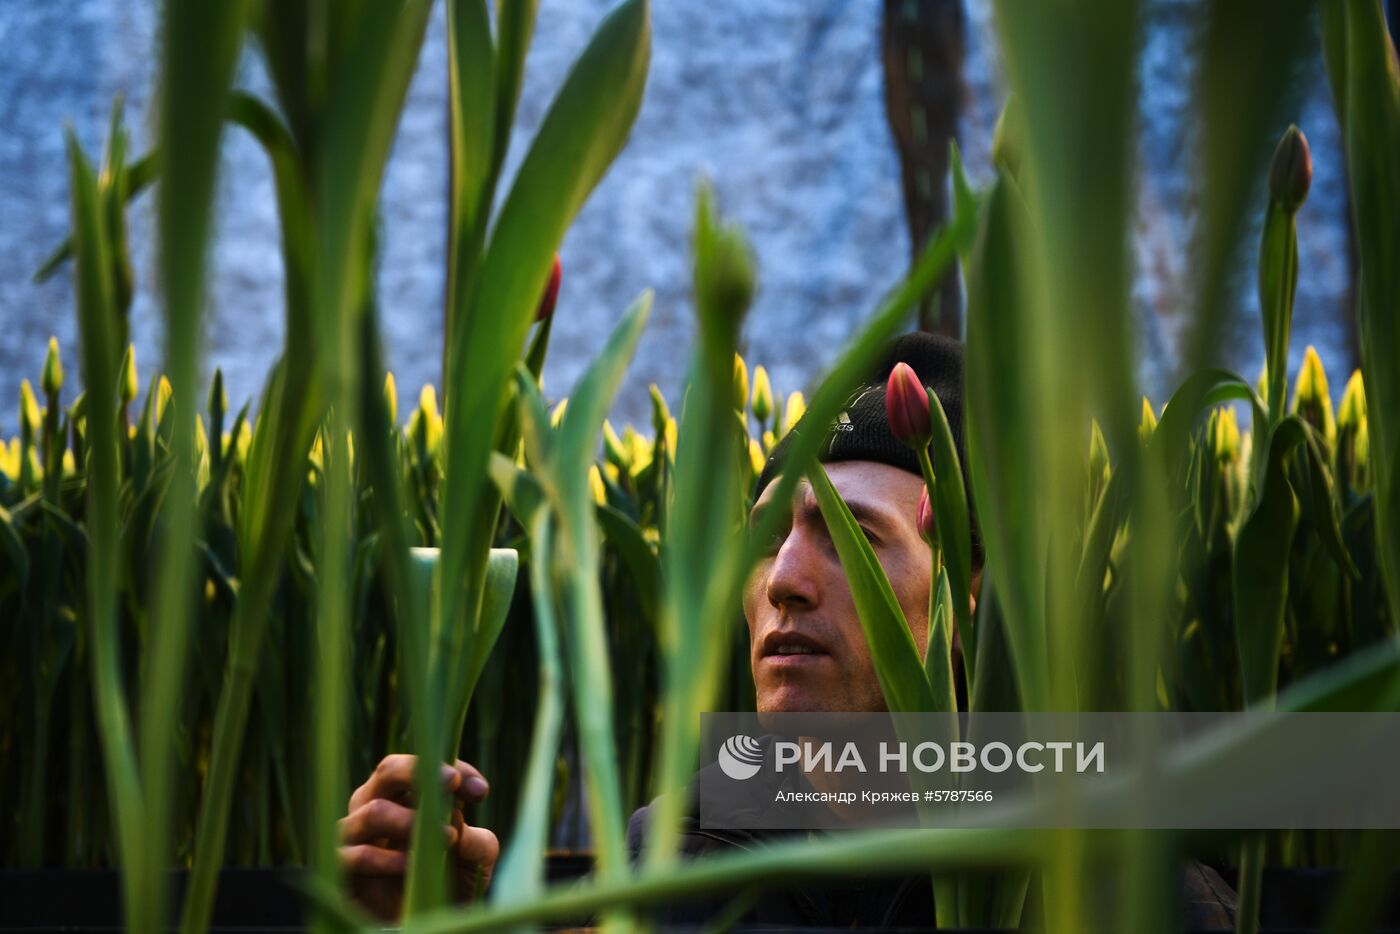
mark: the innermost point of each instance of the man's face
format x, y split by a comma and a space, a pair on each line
806, 647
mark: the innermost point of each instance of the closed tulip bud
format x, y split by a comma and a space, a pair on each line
596, 486
52, 380
1225, 435
201, 437
924, 517
724, 268
756, 457
793, 410
770, 440
741, 384
1148, 424
1290, 173
29, 415
126, 376
163, 394
907, 407
557, 415
762, 395
9, 458
639, 452
616, 451
551, 291
1350, 448
432, 421
244, 440
1098, 452
1311, 399
1352, 412
391, 398
660, 411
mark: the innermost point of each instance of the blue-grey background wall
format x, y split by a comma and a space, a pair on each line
779, 102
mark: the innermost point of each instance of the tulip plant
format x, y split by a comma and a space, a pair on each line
556, 600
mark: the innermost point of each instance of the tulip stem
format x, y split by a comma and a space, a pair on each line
926, 468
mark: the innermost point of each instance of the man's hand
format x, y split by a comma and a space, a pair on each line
376, 833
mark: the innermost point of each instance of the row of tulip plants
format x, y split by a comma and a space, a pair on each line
1138, 556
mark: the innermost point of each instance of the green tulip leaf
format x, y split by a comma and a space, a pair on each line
897, 662
954, 525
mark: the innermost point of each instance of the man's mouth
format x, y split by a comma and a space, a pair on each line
787, 649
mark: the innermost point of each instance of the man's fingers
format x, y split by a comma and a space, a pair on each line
393, 778
365, 859
472, 785
477, 845
385, 823
377, 819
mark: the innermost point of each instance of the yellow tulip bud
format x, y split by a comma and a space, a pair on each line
595, 483
557, 415
391, 398
793, 411
127, 385
432, 421
756, 457
30, 416
1148, 424
639, 452
9, 458
52, 380
245, 438
1352, 412
1311, 399
617, 453
762, 395
163, 394
1098, 451
741, 384
1224, 434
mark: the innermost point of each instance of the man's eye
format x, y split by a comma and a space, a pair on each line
870, 536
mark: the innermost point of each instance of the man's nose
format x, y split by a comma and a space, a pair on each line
794, 578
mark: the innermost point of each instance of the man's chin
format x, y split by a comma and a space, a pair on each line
791, 699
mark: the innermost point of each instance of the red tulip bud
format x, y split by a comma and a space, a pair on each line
906, 405
551, 291
924, 516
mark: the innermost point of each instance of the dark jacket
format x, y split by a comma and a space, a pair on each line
1208, 903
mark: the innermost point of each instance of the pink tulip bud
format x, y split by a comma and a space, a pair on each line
906, 405
551, 291
924, 516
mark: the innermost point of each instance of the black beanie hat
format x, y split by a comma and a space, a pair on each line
862, 431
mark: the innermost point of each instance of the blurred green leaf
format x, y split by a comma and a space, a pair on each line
892, 648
